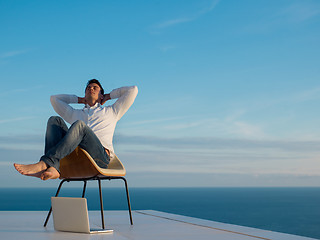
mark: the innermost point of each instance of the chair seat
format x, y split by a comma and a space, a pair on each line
79, 164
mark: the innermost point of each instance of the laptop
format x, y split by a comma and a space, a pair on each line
71, 215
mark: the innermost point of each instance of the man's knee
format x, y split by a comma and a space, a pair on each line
79, 124
54, 119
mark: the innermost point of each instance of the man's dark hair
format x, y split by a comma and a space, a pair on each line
97, 82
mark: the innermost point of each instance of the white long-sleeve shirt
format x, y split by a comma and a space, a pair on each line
102, 120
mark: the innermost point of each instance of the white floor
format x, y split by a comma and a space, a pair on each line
148, 225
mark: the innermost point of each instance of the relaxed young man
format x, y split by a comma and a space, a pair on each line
92, 128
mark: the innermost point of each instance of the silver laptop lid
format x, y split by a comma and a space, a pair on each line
70, 214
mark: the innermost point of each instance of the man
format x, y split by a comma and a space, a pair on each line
92, 128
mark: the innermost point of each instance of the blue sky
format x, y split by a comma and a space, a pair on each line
228, 90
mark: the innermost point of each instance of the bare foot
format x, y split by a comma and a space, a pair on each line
50, 173
34, 170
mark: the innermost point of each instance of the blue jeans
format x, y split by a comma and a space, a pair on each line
61, 141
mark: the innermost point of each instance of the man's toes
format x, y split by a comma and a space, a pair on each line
16, 166
43, 176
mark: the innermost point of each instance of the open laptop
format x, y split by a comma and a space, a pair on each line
71, 215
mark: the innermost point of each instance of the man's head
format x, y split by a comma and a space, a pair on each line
94, 91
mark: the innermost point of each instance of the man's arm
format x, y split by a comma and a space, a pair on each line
60, 104
81, 100
125, 98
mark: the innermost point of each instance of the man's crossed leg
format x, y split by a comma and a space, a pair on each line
60, 142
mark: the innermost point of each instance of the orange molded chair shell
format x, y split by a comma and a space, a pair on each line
79, 164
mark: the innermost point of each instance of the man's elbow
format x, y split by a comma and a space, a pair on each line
135, 90
52, 98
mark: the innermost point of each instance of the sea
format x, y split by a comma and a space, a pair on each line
294, 210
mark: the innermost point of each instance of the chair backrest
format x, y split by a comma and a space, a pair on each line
79, 164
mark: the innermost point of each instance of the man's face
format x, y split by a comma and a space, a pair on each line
93, 92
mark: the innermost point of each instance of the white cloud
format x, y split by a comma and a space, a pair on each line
18, 119
192, 17
211, 143
174, 22
254, 161
187, 124
292, 14
13, 53
6, 163
10, 92
166, 48
157, 120
302, 11
247, 130
228, 127
307, 95
21, 142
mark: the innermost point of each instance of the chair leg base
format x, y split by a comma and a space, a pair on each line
100, 195
128, 200
101, 203
49, 213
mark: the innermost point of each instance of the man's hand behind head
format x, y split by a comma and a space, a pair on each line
105, 98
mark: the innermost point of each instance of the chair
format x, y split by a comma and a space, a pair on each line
79, 166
